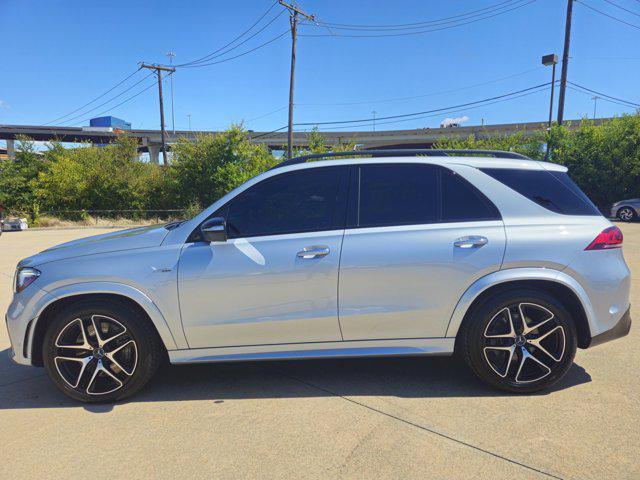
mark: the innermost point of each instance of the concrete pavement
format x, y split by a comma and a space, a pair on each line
394, 418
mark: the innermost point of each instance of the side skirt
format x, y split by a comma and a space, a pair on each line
359, 348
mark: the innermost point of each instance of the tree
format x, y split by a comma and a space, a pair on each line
16, 176
210, 166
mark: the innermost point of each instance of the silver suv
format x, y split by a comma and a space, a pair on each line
494, 256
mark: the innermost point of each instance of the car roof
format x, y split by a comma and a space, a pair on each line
473, 161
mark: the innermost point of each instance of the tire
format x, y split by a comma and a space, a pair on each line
627, 214
527, 358
110, 366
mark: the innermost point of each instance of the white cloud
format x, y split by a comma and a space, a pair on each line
3, 104
450, 121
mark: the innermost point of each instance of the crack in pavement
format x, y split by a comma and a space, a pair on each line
421, 427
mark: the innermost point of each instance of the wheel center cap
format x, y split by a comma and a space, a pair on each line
520, 340
98, 353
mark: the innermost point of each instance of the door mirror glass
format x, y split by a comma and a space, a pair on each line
214, 230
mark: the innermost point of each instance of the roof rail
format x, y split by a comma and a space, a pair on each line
401, 153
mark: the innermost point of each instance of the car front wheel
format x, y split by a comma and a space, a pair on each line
520, 341
100, 351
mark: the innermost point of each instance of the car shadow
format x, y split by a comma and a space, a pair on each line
409, 377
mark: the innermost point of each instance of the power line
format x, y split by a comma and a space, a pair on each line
600, 98
607, 15
211, 56
423, 23
127, 100
424, 114
240, 54
403, 34
605, 95
389, 117
104, 103
399, 99
95, 99
235, 39
266, 114
445, 112
622, 8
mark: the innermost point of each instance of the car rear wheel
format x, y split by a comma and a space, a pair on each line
99, 351
626, 214
520, 341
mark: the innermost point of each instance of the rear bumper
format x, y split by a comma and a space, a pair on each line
619, 330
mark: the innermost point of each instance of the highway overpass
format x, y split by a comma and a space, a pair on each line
150, 140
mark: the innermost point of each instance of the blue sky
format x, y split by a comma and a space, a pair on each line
59, 55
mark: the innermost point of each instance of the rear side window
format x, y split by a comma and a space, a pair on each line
554, 191
462, 202
396, 194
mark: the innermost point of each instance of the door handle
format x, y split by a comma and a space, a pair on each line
315, 251
470, 241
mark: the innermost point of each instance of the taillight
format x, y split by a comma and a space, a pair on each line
608, 238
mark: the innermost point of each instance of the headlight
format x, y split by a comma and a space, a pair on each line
24, 277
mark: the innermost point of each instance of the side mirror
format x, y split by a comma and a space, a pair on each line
214, 230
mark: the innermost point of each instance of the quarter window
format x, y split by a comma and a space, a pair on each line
554, 191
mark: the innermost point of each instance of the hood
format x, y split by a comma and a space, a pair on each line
142, 237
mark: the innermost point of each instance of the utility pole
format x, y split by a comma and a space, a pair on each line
595, 104
374, 120
163, 132
189, 117
293, 20
565, 62
171, 55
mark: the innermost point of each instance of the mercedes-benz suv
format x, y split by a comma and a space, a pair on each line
490, 255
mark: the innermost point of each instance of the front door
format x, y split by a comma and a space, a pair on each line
417, 236
275, 280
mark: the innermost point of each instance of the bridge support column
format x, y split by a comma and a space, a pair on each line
154, 154
11, 149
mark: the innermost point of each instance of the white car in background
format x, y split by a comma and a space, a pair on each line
15, 225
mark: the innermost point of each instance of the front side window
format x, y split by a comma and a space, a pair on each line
302, 201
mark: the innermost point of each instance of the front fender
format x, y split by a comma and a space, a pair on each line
515, 274
109, 288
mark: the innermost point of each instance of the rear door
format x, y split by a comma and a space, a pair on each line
417, 236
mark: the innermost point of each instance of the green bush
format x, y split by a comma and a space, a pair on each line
604, 160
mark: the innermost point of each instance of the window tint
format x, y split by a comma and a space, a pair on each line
396, 194
462, 202
554, 191
302, 201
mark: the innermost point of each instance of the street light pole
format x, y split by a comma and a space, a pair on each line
173, 120
595, 104
551, 59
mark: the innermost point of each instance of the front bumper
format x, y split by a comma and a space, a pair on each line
619, 330
21, 318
